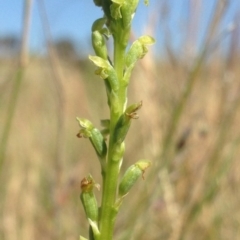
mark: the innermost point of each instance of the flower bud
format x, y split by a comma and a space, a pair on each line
95, 136
106, 70
125, 10
131, 111
85, 123
131, 176
128, 10
99, 45
115, 9
84, 133
98, 143
88, 199
138, 50
98, 24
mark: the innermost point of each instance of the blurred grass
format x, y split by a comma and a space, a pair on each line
188, 127
198, 192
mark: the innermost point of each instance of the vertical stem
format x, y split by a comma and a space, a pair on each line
25, 32
17, 79
14, 95
60, 111
110, 179
119, 52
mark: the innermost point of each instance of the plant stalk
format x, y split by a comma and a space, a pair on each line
110, 179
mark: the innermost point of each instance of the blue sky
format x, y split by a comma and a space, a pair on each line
73, 19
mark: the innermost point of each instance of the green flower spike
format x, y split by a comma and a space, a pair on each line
131, 176
116, 72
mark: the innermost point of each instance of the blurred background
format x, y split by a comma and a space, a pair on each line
189, 83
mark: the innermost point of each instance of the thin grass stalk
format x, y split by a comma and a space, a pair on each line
60, 110
23, 60
14, 96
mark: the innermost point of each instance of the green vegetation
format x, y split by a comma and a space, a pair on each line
117, 20
188, 127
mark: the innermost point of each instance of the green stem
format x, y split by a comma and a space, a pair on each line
110, 181
110, 178
119, 54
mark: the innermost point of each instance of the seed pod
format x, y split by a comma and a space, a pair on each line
95, 136
98, 143
131, 176
88, 198
121, 128
124, 122
99, 45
